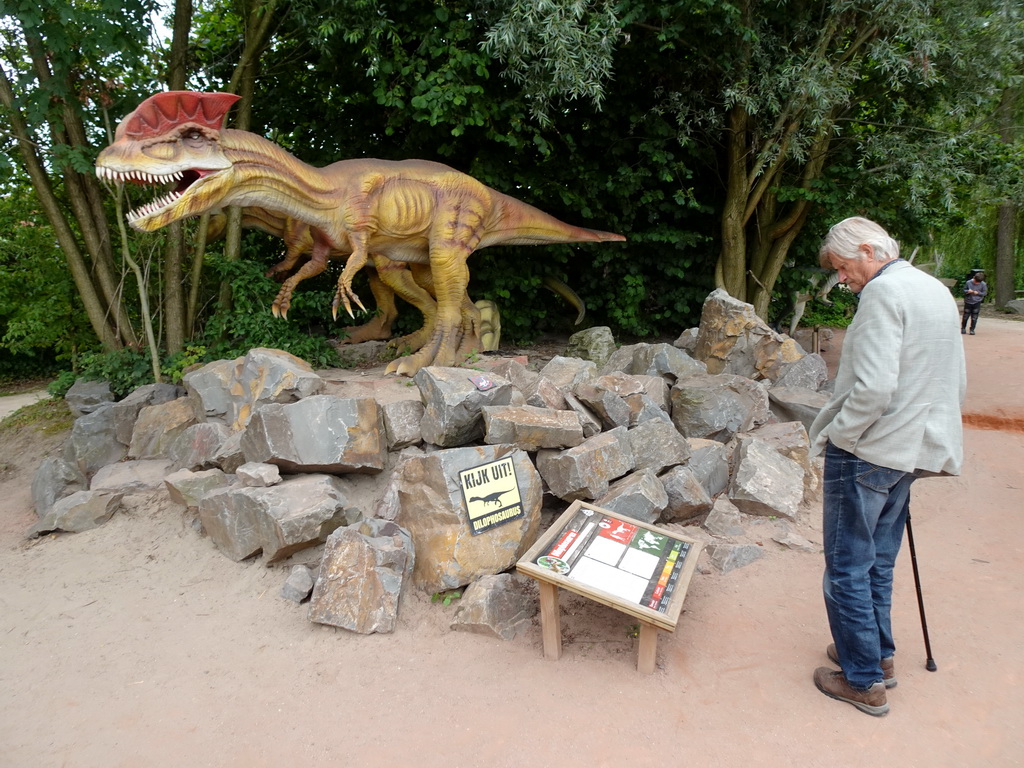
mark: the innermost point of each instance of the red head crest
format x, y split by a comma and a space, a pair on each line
158, 113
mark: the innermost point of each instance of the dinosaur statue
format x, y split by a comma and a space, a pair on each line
299, 243
412, 211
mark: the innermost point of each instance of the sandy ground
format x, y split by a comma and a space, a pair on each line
138, 644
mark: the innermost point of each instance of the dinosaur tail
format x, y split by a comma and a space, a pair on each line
569, 295
519, 223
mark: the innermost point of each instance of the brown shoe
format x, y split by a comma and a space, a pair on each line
888, 666
833, 684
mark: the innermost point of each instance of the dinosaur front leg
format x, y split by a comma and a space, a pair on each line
316, 264
345, 295
378, 328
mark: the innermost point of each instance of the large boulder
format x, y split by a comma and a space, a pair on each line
733, 339
425, 496
321, 433
229, 391
454, 399
362, 573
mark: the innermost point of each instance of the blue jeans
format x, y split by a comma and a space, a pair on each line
865, 511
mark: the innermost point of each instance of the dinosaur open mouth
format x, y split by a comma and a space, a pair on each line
181, 180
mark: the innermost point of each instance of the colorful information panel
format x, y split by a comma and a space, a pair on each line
635, 567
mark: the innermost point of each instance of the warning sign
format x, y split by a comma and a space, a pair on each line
491, 494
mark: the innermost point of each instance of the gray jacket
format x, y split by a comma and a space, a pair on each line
902, 377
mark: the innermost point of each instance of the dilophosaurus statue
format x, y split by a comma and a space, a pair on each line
413, 211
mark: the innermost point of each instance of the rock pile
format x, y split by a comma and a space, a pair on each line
273, 459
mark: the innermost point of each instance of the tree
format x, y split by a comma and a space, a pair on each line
57, 75
785, 94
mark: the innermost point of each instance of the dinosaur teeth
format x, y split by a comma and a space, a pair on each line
153, 207
120, 177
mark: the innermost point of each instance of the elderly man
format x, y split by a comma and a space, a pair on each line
894, 417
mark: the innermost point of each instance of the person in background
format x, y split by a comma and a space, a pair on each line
975, 290
894, 417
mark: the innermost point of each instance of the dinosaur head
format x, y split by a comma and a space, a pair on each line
172, 139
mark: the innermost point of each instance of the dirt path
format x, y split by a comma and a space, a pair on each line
138, 644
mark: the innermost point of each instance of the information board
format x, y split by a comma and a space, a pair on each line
491, 494
632, 566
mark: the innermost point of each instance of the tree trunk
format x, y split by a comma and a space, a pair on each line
1006, 229
95, 309
732, 263
175, 321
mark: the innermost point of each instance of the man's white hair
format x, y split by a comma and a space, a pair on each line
845, 239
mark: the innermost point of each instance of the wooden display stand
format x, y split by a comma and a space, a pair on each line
637, 568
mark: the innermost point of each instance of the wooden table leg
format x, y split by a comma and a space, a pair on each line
550, 621
648, 648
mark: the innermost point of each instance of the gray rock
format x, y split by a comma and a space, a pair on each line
230, 455
711, 463
495, 606
81, 511
321, 433
594, 344
364, 568
299, 584
298, 513
733, 339
729, 557
687, 341
643, 409
567, 373
254, 474
717, 407
142, 476
653, 360
186, 487
542, 393
588, 420
198, 446
639, 495
608, 405
517, 374
93, 442
586, 471
402, 420
158, 426
766, 482
807, 372
657, 445
530, 428
796, 404
229, 391
687, 498
791, 540
86, 396
1016, 306
55, 478
126, 411
724, 520
425, 497
453, 404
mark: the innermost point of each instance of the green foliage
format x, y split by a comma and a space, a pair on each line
40, 316
838, 314
249, 323
446, 597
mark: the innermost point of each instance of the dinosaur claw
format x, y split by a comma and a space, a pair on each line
275, 310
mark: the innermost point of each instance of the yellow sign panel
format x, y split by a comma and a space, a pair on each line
491, 493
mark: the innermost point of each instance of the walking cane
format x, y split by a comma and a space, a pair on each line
930, 663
